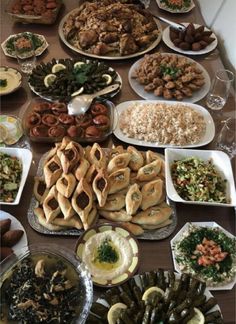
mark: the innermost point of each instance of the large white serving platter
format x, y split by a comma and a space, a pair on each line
183, 10
179, 236
15, 225
206, 138
139, 88
219, 159
107, 57
25, 156
166, 39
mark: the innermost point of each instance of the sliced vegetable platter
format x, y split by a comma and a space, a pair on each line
63, 79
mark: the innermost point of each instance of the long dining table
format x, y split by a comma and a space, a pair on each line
153, 254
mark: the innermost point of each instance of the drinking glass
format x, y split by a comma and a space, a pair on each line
220, 88
24, 50
226, 140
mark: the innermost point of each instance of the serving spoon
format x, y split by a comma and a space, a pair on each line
81, 103
175, 25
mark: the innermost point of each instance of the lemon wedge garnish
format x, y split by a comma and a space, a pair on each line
152, 292
114, 312
58, 67
49, 79
108, 78
198, 317
78, 92
78, 64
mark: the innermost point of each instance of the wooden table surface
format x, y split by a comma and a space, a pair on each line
153, 254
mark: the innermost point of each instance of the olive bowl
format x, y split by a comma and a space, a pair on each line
24, 266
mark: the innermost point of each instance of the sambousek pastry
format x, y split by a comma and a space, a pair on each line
153, 215
52, 171
69, 157
119, 180
101, 186
81, 168
152, 156
66, 184
91, 173
133, 228
39, 213
116, 216
136, 158
133, 199
40, 190
97, 156
82, 201
149, 171
118, 162
151, 193
51, 206
65, 206
73, 222
92, 216
152, 227
114, 202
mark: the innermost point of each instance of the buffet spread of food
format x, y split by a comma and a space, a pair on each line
113, 197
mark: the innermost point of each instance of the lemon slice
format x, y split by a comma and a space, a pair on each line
58, 67
78, 92
151, 292
49, 79
114, 312
3, 133
78, 64
108, 78
198, 317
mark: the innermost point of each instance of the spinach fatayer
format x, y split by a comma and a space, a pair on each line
177, 304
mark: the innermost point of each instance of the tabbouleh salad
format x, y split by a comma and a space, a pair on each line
10, 177
197, 180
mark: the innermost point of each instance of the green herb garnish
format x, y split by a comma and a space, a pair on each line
106, 253
176, 5
3, 83
170, 70
37, 42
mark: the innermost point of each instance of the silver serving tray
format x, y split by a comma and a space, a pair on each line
157, 234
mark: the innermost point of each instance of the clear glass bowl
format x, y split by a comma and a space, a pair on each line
55, 253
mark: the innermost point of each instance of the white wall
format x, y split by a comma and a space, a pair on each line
220, 16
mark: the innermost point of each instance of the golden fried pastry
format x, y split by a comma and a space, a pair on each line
97, 156
119, 180
149, 171
136, 160
74, 221
151, 193
52, 171
101, 186
118, 162
116, 216
81, 168
82, 201
40, 190
51, 206
66, 184
65, 206
152, 216
39, 213
114, 202
164, 224
133, 199
133, 228
92, 216
69, 157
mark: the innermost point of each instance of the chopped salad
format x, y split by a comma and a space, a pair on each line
10, 177
197, 180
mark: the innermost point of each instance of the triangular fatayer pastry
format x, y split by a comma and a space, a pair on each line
149, 171
51, 206
101, 186
133, 199
119, 180
151, 193
52, 171
66, 184
82, 201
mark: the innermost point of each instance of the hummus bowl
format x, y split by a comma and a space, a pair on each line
110, 253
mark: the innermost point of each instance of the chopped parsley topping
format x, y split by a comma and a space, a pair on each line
106, 253
3, 83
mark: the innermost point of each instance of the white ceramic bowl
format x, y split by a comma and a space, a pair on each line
219, 159
25, 156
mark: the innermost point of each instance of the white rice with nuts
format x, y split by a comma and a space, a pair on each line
163, 123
